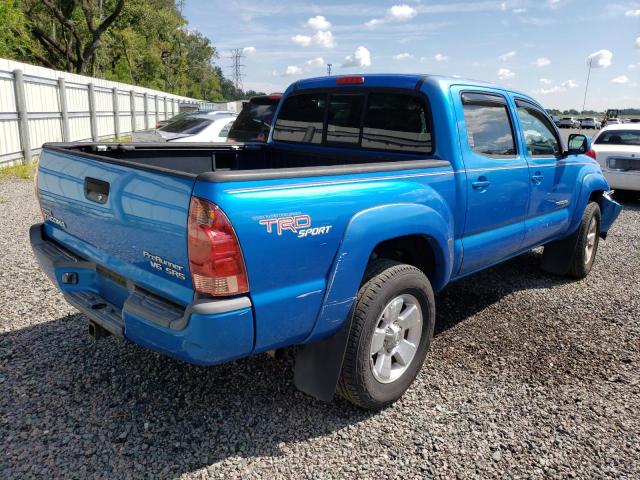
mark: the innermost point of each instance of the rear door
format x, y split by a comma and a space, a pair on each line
132, 222
552, 177
497, 177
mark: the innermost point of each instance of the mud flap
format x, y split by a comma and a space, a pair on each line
318, 365
558, 255
609, 211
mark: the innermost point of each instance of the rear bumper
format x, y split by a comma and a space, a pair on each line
623, 180
205, 332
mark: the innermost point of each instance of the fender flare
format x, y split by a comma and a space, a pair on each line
319, 361
592, 181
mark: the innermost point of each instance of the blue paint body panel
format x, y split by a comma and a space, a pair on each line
302, 288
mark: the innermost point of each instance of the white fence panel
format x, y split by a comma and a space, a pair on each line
32, 108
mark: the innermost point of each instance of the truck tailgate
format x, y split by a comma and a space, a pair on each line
132, 222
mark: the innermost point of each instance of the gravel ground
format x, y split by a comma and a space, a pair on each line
530, 376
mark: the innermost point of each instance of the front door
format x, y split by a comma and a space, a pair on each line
497, 178
552, 178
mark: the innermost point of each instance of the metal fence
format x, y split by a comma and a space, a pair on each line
39, 105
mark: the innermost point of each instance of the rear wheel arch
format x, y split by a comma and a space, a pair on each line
417, 250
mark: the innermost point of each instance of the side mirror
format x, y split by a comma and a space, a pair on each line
578, 144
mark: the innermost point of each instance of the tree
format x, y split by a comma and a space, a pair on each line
76, 31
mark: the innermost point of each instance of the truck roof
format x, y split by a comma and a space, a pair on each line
396, 80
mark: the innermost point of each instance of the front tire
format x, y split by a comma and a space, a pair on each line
574, 256
391, 332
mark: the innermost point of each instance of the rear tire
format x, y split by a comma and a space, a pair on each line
391, 332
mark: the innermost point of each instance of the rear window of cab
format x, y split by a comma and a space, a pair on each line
371, 120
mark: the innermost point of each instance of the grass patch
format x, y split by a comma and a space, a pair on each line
19, 171
122, 139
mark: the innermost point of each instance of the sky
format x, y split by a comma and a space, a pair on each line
540, 47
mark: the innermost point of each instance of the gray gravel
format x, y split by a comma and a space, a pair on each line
530, 376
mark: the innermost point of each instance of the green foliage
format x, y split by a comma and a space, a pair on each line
15, 35
19, 171
142, 42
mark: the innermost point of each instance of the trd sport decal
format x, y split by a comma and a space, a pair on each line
298, 224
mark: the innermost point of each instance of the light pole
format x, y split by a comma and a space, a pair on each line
586, 88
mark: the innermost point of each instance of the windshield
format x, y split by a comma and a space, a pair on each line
253, 123
620, 137
187, 125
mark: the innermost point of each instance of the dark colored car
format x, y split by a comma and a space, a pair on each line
254, 122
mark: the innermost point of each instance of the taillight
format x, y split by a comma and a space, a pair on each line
591, 153
157, 125
215, 258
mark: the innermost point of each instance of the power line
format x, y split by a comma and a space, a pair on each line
237, 54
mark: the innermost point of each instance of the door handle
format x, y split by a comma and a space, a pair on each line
537, 178
481, 184
96, 190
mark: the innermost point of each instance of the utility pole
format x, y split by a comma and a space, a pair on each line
329, 69
236, 56
586, 89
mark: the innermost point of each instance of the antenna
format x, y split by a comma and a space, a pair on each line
237, 55
329, 69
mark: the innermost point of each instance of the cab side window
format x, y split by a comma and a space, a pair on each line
540, 136
489, 129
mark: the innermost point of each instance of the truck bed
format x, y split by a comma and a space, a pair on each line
243, 161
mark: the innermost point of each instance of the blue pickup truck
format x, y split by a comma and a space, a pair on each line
372, 193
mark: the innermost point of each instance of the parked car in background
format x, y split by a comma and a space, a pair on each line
617, 150
634, 120
202, 127
590, 122
254, 122
555, 119
612, 121
569, 122
182, 115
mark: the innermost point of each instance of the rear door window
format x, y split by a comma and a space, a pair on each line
489, 129
301, 119
396, 122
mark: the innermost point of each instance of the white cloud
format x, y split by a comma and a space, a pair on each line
361, 58
324, 39
553, 3
633, 66
292, 70
318, 23
570, 84
621, 80
547, 91
321, 39
505, 74
397, 13
632, 13
314, 63
302, 40
402, 56
401, 12
546, 81
439, 57
638, 42
600, 59
518, 11
542, 62
249, 50
506, 56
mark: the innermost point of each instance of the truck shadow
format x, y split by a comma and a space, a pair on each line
126, 410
